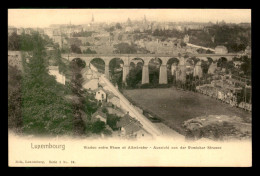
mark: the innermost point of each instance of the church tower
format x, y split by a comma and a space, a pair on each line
144, 20
92, 20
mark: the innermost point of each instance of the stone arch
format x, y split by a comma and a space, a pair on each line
80, 62
197, 72
171, 65
115, 64
154, 70
172, 60
136, 66
190, 61
221, 60
131, 65
210, 60
137, 62
194, 59
181, 71
99, 63
116, 69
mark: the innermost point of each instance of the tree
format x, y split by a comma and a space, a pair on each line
195, 60
14, 99
125, 48
83, 34
14, 42
89, 51
75, 49
210, 60
112, 121
44, 109
118, 26
90, 105
204, 66
222, 62
134, 77
76, 87
98, 127
27, 42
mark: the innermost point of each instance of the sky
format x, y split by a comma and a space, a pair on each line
45, 17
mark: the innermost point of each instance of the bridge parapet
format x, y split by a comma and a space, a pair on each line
145, 55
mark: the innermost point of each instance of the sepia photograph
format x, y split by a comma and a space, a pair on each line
129, 87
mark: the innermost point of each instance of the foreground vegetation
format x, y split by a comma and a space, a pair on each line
39, 105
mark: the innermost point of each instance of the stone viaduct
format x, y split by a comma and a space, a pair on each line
145, 58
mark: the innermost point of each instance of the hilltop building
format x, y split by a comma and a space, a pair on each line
221, 50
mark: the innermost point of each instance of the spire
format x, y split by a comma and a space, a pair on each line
129, 23
92, 20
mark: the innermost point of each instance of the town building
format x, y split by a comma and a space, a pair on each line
91, 84
20, 31
248, 50
100, 95
99, 115
221, 50
15, 59
130, 127
12, 30
212, 68
54, 70
186, 39
114, 100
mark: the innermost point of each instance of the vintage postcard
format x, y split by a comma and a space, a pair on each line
129, 87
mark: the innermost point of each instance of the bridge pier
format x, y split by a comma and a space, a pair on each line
197, 70
125, 72
163, 75
145, 74
107, 71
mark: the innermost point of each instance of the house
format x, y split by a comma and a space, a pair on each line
12, 30
237, 64
15, 59
49, 32
105, 87
20, 31
212, 68
101, 95
99, 115
90, 84
248, 50
221, 50
114, 100
245, 106
28, 31
118, 112
129, 29
186, 39
54, 70
130, 127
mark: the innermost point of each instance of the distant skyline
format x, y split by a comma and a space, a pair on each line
46, 17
